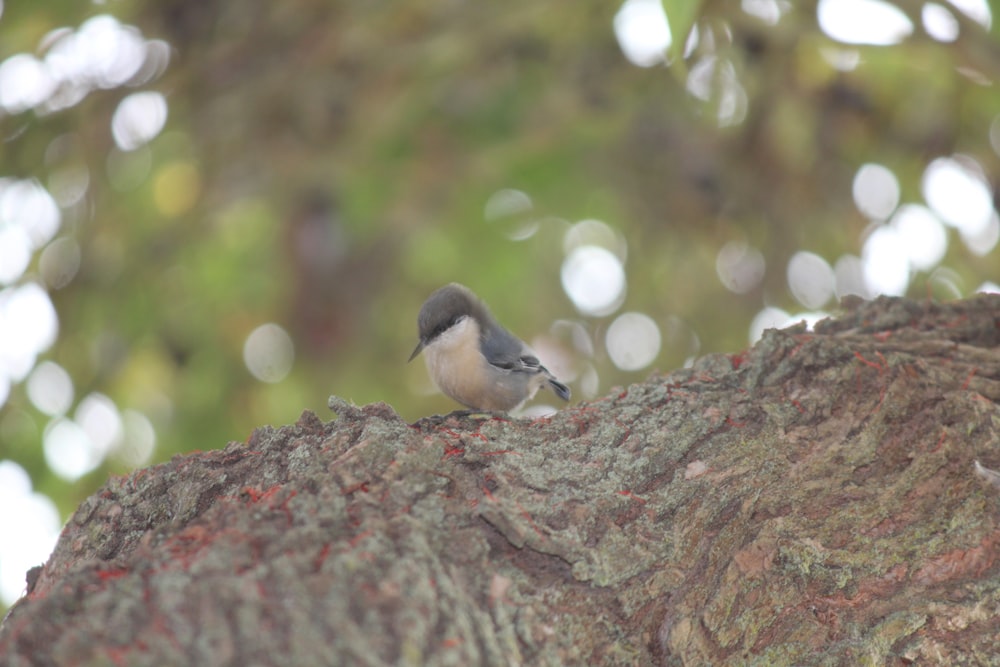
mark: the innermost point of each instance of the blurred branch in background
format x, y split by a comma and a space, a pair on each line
213, 215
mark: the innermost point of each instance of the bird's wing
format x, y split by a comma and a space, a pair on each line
505, 351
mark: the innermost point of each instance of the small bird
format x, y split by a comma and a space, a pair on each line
473, 359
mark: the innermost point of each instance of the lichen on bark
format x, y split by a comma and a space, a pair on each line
812, 501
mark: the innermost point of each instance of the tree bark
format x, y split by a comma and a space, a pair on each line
824, 498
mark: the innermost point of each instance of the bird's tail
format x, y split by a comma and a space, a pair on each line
561, 390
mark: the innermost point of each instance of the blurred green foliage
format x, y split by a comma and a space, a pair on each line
325, 166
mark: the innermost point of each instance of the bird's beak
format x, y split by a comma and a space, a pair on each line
416, 351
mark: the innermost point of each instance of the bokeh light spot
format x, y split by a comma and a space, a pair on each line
767, 318
922, 235
15, 253
590, 381
98, 416
512, 206
554, 357
643, 32
28, 326
939, 23
841, 59
983, 241
714, 80
29, 528
268, 353
850, 276
506, 202
595, 233
977, 10
768, 11
139, 442
957, 191
101, 53
876, 191
50, 389
988, 287
577, 334
68, 450
138, 119
14, 481
68, 185
885, 262
863, 22
155, 63
24, 83
29, 206
594, 280
739, 267
633, 341
810, 279
59, 262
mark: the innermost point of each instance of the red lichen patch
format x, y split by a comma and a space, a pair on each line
255, 495
450, 451
961, 563
187, 543
107, 575
321, 557
629, 494
738, 360
870, 591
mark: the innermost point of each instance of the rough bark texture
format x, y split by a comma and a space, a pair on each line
813, 501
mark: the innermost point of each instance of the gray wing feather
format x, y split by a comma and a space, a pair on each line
506, 351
